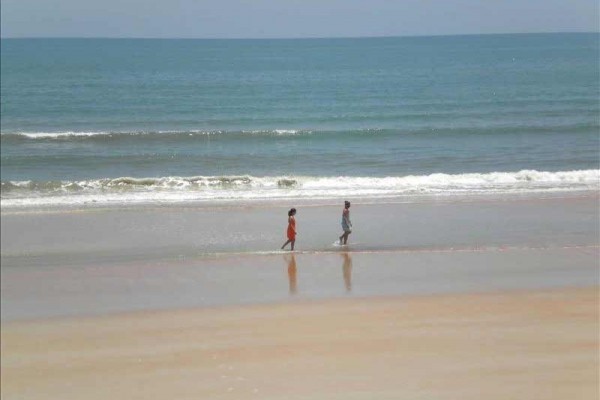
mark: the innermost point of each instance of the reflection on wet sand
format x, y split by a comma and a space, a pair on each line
292, 270
347, 271
292, 275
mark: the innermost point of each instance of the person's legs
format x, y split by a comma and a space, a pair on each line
285, 244
346, 234
293, 241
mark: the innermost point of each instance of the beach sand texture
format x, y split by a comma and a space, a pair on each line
524, 344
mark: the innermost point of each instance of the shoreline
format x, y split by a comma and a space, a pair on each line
304, 202
122, 234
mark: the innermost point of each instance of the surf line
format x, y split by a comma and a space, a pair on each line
348, 249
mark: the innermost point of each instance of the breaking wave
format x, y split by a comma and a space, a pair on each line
143, 135
171, 135
126, 190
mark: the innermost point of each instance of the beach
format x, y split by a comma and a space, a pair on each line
469, 313
144, 199
535, 344
88, 262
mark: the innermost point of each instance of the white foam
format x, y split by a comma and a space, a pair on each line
57, 135
190, 132
173, 189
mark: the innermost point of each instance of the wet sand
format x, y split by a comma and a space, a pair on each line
518, 344
466, 299
107, 236
33, 292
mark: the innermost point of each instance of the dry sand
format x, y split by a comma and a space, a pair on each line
507, 345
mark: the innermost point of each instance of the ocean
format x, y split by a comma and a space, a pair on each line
150, 121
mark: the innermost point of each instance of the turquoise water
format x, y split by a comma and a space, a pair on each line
119, 120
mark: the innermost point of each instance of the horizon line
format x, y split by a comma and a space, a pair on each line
299, 37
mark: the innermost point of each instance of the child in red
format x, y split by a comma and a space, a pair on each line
291, 230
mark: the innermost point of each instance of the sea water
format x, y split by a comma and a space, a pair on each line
120, 121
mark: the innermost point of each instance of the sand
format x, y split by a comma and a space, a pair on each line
470, 298
515, 344
93, 236
35, 292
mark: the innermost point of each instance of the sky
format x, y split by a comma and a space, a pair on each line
291, 18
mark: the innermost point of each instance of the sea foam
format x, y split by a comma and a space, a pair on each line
131, 190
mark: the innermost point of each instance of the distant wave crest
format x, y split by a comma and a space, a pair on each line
124, 190
158, 134
185, 135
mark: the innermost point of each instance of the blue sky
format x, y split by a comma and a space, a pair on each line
291, 18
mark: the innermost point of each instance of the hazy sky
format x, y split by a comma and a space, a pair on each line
291, 18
